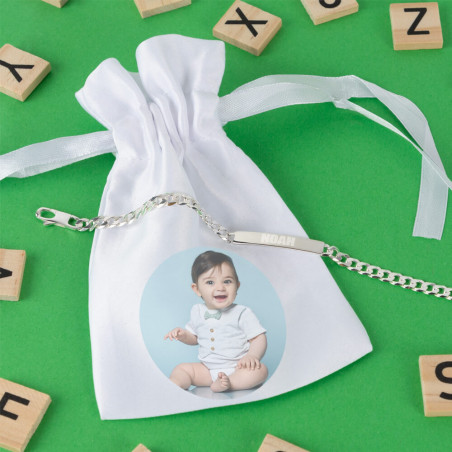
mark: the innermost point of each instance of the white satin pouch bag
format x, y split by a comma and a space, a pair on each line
168, 135
169, 138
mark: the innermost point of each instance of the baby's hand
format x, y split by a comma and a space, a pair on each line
250, 362
176, 334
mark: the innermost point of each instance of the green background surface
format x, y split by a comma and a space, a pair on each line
348, 181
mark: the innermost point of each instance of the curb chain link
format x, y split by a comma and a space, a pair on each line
156, 202
342, 259
396, 279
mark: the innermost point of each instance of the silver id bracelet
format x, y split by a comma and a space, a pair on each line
55, 217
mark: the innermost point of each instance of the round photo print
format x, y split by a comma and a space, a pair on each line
212, 323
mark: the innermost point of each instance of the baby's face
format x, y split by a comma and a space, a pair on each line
217, 287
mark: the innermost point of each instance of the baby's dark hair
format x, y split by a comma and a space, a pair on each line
208, 260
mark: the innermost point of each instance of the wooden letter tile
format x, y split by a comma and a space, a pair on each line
21, 411
141, 448
12, 263
273, 444
416, 26
436, 380
20, 72
149, 8
321, 11
247, 27
57, 3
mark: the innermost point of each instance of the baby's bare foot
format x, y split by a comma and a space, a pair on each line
221, 384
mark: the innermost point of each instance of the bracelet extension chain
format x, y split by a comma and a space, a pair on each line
55, 217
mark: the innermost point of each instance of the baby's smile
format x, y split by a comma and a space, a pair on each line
217, 287
220, 298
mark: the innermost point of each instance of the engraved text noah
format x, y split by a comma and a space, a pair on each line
279, 240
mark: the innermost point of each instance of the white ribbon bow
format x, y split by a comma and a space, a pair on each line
268, 93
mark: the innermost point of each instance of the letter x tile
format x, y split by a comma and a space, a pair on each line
21, 411
20, 72
247, 27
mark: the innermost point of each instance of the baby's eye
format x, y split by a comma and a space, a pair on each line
228, 281
209, 283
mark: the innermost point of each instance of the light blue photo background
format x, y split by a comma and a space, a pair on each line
168, 298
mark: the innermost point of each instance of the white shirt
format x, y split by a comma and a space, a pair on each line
224, 341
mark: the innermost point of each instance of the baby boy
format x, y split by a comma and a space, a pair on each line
231, 340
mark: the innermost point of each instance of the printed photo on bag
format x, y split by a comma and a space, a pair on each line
212, 323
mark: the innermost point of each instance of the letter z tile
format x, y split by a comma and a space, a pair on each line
416, 26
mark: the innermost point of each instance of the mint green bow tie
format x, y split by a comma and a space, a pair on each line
208, 315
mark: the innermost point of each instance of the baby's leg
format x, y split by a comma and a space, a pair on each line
187, 374
247, 378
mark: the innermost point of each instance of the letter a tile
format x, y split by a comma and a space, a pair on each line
273, 444
20, 72
149, 8
436, 380
12, 263
21, 411
321, 11
416, 26
247, 27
